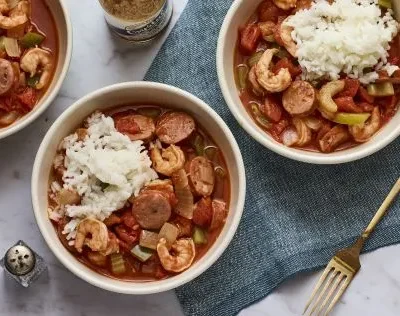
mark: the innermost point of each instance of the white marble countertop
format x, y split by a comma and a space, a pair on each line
376, 290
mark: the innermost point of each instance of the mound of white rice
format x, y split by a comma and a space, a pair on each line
106, 168
347, 36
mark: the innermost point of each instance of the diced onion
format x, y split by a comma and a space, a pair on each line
290, 137
12, 47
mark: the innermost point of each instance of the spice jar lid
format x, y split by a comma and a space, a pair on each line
19, 260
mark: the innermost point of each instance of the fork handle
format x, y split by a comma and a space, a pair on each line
382, 210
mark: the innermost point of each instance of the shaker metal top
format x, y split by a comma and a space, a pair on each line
19, 260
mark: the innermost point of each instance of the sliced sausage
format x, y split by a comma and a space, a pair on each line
174, 127
135, 126
184, 195
219, 214
203, 212
151, 209
332, 139
299, 98
201, 174
7, 76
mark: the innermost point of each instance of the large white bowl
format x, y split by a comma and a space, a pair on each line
64, 33
238, 15
140, 93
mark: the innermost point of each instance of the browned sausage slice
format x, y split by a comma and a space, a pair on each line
6, 76
135, 126
174, 127
201, 176
219, 214
151, 209
299, 98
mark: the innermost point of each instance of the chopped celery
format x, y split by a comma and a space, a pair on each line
258, 116
210, 151
170, 232
199, 236
117, 263
150, 112
141, 253
255, 58
385, 3
198, 144
148, 239
351, 118
31, 39
382, 89
33, 81
242, 72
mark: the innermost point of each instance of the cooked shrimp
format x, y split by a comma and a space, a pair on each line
267, 79
285, 4
303, 131
112, 245
184, 254
17, 16
286, 36
98, 241
363, 132
35, 58
169, 161
257, 89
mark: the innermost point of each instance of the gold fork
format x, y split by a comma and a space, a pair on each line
344, 266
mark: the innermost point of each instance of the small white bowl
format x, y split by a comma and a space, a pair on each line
64, 32
238, 15
138, 93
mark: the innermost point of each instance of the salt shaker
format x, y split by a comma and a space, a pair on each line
23, 264
137, 20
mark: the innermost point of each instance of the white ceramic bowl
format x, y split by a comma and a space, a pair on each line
64, 29
141, 93
238, 15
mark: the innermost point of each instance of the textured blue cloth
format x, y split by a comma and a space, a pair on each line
296, 215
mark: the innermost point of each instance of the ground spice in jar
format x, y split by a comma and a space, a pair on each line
132, 10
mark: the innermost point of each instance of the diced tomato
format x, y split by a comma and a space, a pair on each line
286, 63
365, 107
28, 97
268, 11
388, 106
382, 74
278, 128
249, 38
202, 214
350, 88
346, 104
125, 246
271, 109
126, 234
394, 60
277, 34
126, 124
128, 219
363, 94
325, 128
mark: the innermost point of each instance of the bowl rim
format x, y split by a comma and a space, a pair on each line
251, 128
42, 106
129, 287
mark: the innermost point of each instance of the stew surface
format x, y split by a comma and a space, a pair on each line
319, 114
172, 215
28, 55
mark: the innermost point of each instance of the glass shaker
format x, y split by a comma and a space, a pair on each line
137, 20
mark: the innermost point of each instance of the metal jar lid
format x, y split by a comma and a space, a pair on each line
19, 260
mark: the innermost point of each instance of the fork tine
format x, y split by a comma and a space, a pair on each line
328, 283
331, 292
343, 288
316, 288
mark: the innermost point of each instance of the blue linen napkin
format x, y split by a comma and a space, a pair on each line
296, 215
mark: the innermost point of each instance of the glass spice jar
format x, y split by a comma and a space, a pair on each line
137, 20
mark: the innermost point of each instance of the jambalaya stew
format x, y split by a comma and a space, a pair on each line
139, 193
28, 54
320, 76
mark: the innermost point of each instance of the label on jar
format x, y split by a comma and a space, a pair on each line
141, 31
